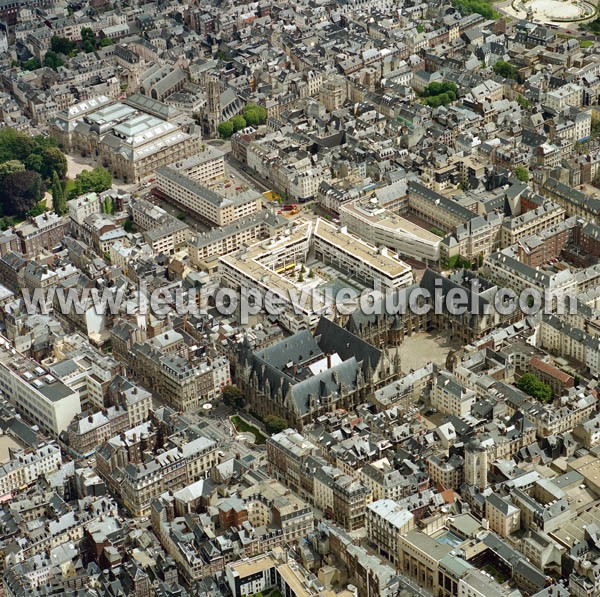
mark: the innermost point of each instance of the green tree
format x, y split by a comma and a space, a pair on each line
59, 199
62, 45
107, 206
439, 94
9, 167
54, 160
88, 40
535, 388
32, 64
255, 115
275, 424
38, 209
20, 191
35, 162
225, 129
593, 26
238, 123
482, 7
44, 142
96, 180
14, 145
128, 225
522, 173
53, 60
106, 41
233, 397
506, 70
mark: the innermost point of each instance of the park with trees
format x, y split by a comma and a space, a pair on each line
30, 166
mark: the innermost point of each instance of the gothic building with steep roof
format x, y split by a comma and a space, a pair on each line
306, 375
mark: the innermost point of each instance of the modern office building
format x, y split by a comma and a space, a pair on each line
36, 394
367, 263
372, 221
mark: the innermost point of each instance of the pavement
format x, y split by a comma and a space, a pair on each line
422, 348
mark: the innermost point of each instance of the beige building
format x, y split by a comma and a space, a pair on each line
205, 248
531, 222
206, 166
132, 138
504, 517
363, 261
386, 523
419, 559
175, 468
371, 221
163, 232
38, 396
24, 467
269, 267
450, 397
204, 203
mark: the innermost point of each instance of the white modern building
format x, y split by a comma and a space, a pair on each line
367, 263
370, 220
36, 394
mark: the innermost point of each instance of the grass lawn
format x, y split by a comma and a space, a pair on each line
244, 427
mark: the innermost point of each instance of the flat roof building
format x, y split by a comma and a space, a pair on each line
36, 394
362, 260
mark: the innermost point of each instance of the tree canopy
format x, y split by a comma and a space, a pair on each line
97, 180
233, 397
255, 115
226, 129
62, 45
238, 122
507, 70
53, 60
32, 64
9, 167
275, 424
38, 153
439, 94
482, 7
59, 198
20, 192
535, 388
88, 40
522, 173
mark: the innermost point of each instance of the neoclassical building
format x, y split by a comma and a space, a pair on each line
132, 138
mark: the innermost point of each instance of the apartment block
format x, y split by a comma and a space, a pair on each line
386, 522
25, 466
206, 247
206, 166
204, 203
